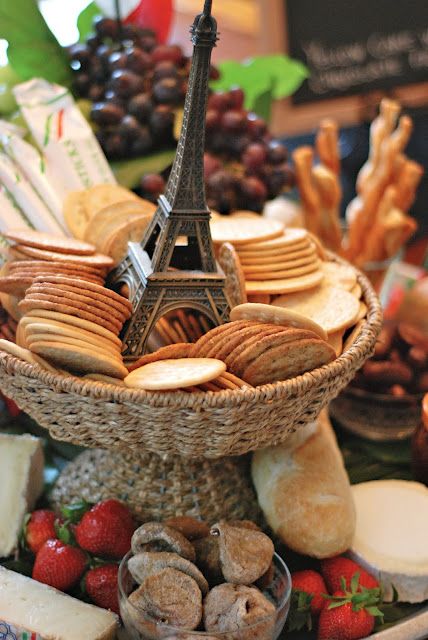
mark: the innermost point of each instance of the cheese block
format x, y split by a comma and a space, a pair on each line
391, 536
21, 483
35, 611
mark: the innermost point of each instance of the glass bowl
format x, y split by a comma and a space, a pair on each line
269, 628
376, 416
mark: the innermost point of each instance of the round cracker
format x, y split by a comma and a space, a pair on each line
288, 361
41, 315
61, 266
213, 338
288, 238
339, 275
281, 257
74, 342
115, 245
107, 219
239, 232
332, 308
60, 329
280, 264
36, 304
235, 278
15, 350
228, 342
99, 377
80, 360
174, 374
286, 273
271, 314
75, 214
286, 285
208, 336
170, 352
89, 287
46, 241
362, 312
104, 195
357, 291
97, 259
17, 285
335, 340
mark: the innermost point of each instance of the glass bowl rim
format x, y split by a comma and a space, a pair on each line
222, 634
364, 394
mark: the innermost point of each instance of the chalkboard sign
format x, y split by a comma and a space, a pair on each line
355, 46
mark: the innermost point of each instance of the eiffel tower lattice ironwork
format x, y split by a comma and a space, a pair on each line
174, 265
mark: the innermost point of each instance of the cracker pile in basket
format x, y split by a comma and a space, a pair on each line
301, 310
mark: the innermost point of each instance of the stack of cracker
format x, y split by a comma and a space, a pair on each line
74, 324
108, 216
179, 326
33, 254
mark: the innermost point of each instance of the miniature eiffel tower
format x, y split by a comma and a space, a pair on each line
174, 266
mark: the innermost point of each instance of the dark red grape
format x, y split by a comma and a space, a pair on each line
253, 189
125, 83
162, 124
117, 60
114, 145
219, 101
93, 41
256, 125
96, 92
110, 96
142, 143
97, 71
129, 127
171, 52
147, 43
103, 53
165, 69
277, 153
236, 98
211, 165
131, 32
212, 119
236, 144
221, 180
217, 142
254, 156
153, 184
81, 53
141, 106
234, 121
138, 60
81, 84
105, 27
106, 113
167, 91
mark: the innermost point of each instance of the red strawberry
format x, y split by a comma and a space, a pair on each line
40, 527
333, 569
349, 617
101, 586
106, 530
311, 583
59, 565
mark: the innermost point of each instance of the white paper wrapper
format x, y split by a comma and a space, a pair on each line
11, 217
33, 166
64, 137
26, 198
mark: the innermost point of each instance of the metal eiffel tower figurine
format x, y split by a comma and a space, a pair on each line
174, 266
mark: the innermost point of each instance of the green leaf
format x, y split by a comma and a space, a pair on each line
75, 511
33, 51
278, 76
355, 581
129, 172
85, 19
63, 532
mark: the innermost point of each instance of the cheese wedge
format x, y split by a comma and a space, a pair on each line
21, 483
391, 536
29, 607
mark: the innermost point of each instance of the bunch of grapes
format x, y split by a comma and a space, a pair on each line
244, 166
135, 85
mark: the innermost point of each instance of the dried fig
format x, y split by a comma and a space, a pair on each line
148, 563
170, 597
245, 554
244, 524
191, 528
232, 607
208, 558
169, 540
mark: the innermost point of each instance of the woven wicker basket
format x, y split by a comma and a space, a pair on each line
210, 425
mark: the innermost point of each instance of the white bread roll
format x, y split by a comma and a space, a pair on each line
304, 492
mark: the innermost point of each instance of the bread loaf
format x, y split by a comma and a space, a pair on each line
304, 492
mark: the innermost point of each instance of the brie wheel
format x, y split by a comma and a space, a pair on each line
391, 535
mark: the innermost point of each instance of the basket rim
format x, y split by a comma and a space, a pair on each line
107, 392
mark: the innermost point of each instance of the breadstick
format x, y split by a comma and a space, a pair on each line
327, 144
330, 195
374, 247
407, 183
303, 160
399, 228
380, 129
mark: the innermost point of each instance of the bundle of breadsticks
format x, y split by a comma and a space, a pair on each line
377, 218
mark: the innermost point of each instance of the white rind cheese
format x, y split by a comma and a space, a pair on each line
391, 539
21, 483
32, 607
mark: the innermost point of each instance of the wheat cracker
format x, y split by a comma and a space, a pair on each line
213, 337
175, 374
38, 304
280, 257
286, 273
115, 245
211, 334
42, 315
103, 195
80, 360
97, 259
169, 352
357, 291
286, 285
29, 328
50, 242
272, 314
287, 238
335, 340
339, 275
16, 285
238, 231
332, 308
33, 338
227, 342
75, 213
235, 278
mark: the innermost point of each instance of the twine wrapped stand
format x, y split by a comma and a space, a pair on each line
175, 453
